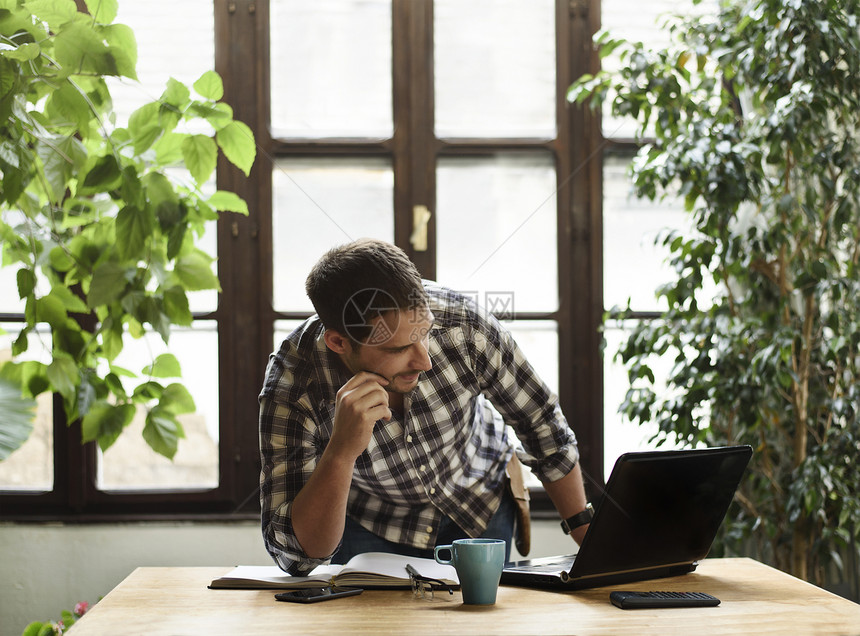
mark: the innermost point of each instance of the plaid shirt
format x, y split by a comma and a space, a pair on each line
445, 456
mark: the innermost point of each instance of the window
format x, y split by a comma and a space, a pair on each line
634, 263
397, 119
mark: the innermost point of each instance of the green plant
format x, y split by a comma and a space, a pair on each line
752, 116
50, 628
101, 225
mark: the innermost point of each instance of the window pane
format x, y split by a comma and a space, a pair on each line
331, 68
633, 265
619, 434
31, 467
496, 224
644, 24
494, 68
539, 341
182, 47
320, 203
10, 303
130, 464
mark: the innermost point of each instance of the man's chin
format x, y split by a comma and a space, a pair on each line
404, 383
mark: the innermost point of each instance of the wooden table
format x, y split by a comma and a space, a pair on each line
756, 599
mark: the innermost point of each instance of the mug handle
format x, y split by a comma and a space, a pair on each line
440, 548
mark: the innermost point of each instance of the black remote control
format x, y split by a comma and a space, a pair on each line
644, 600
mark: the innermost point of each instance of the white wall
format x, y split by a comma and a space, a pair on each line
48, 567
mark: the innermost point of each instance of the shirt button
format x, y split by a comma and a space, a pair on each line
422, 468
432, 491
429, 529
408, 439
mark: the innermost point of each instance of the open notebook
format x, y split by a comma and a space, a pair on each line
370, 569
658, 516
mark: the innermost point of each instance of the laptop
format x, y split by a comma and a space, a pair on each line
657, 517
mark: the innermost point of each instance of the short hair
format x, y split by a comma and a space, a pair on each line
356, 282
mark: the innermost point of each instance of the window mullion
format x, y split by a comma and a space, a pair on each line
580, 238
413, 91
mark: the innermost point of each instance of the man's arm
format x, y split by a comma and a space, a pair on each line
568, 496
526, 403
319, 509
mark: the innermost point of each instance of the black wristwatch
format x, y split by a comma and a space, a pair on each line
579, 519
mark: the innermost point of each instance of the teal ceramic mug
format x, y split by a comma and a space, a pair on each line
479, 564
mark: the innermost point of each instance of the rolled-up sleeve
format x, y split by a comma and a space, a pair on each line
289, 455
524, 401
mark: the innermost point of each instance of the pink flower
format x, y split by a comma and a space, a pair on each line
81, 608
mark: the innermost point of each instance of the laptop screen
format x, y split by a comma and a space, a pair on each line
659, 508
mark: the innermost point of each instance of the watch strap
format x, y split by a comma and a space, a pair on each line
579, 519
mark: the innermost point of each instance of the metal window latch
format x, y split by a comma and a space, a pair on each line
420, 219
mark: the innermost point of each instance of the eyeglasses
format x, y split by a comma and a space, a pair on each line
422, 586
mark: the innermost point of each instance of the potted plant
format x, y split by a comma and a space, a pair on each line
101, 230
752, 117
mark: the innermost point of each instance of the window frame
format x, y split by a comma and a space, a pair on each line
245, 315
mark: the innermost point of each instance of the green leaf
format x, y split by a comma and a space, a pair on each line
163, 199
144, 127
200, 154
60, 260
131, 189
50, 309
86, 395
176, 306
218, 115
63, 375
176, 399
109, 281
112, 343
55, 12
168, 149
68, 106
105, 422
16, 418
165, 366
162, 432
103, 11
32, 378
122, 46
176, 238
147, 392
210, 86
70, 300
26, 282
133, 227
176, 93
23, 53
228, 201
79, 49
194, 271
60, 158
38, 628
103, 176
237, 142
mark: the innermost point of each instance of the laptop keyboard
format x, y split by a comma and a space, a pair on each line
546, 566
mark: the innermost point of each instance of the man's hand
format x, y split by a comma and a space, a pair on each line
319, 509
360, 403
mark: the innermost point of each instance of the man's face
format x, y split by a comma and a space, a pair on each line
397, 350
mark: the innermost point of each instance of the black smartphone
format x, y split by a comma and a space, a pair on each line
317, 594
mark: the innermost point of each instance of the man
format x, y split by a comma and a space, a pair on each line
383, 419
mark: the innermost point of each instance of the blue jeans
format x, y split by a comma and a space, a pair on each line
357, 540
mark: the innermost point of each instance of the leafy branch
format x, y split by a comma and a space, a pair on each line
102, 231
752, 115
